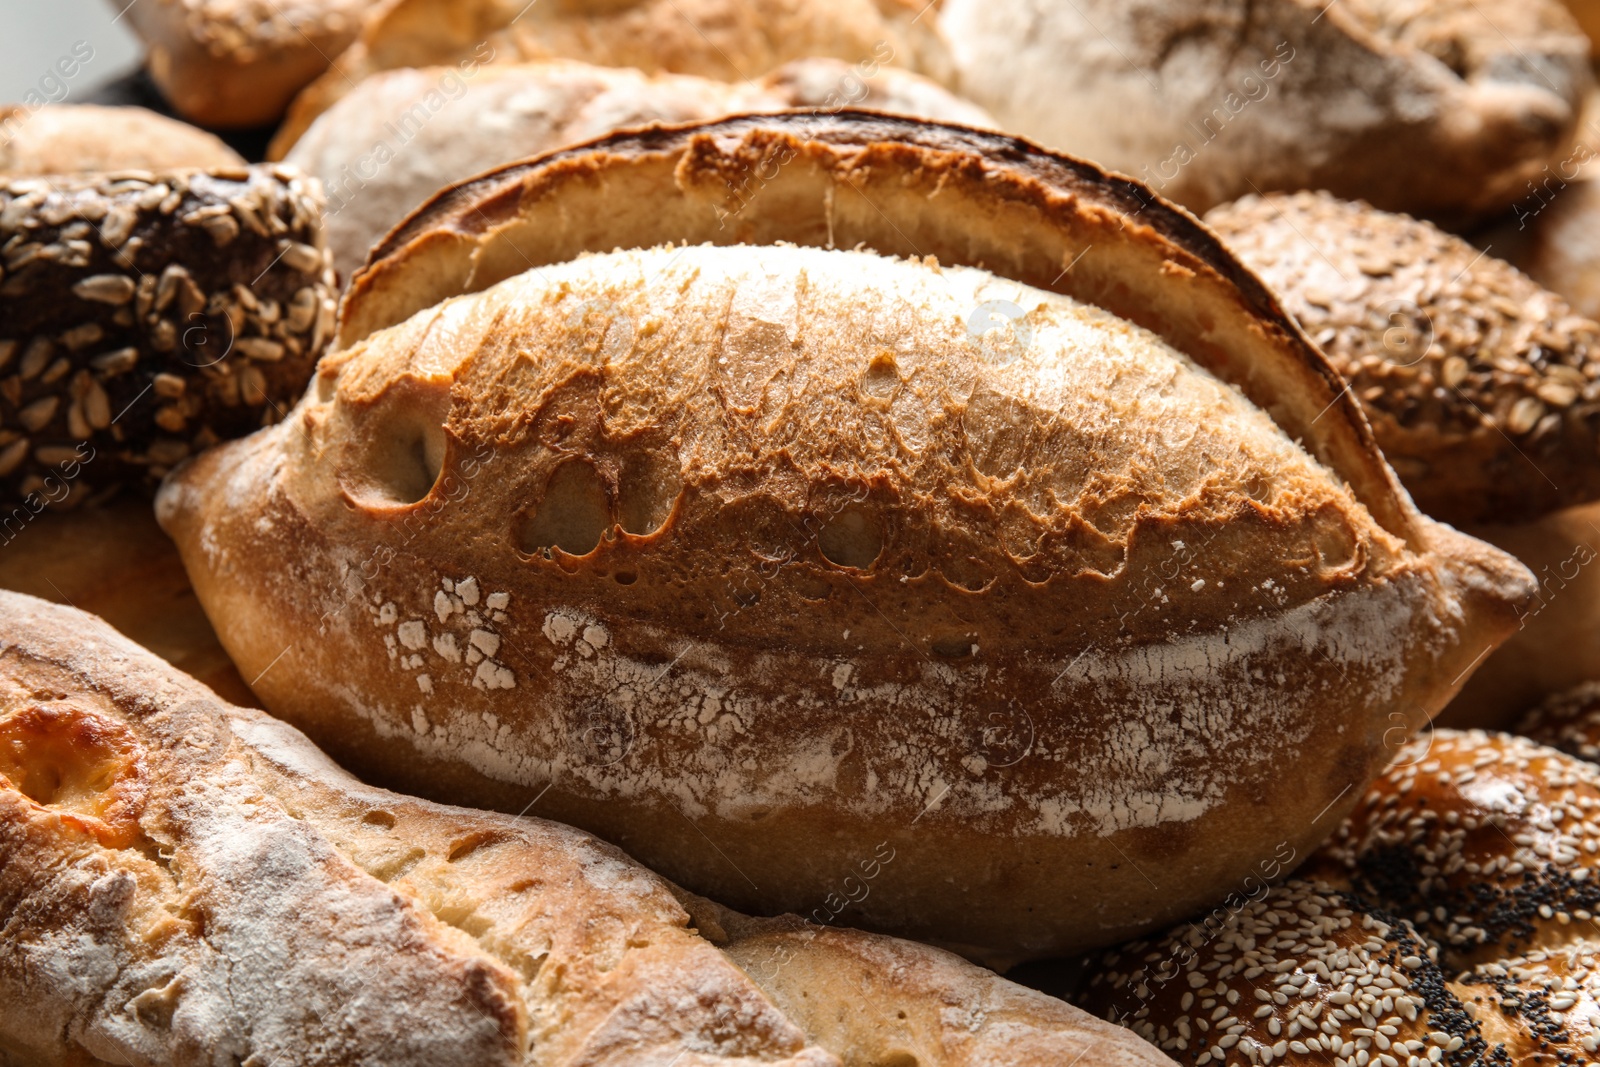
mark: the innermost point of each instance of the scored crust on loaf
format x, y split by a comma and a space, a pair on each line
727, 40
71, 138
183, 879
394, 141
1483, 389
717, 546
1448, 108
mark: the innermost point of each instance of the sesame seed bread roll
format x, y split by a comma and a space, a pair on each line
814, 530
1569, 721
145, 316
1445, 109
73, 138
238, 63
726, 40
185, 880
400, 136
1448, 921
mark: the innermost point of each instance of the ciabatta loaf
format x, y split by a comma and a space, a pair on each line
1445, 108
940, 492
185, 881
400, 136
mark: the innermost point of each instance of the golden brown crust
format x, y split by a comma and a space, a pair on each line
179, 877
1444, 109
519, 110
73, 138
726, 40
1482, 388
734, 544
146, 316
238, 63
1449, 920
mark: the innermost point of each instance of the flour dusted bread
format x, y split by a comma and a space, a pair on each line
185, 881
71, 138
1447, 108
431, 127
727, 40
813, 531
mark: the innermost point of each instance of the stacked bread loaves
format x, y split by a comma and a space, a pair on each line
1018, 570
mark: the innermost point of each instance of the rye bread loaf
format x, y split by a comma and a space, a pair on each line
1446, 108
727, 40
185, 882
72, 138
400, 136
1017, 567
238, 63
145, 316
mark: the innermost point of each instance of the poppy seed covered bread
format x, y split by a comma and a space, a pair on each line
1482, 387
724, 544
1447, 108
183, 878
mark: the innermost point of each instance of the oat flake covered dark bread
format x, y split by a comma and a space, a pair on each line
144, 317
939, 491
187, 883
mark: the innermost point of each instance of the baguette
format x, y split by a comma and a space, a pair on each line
185, 881
760, 539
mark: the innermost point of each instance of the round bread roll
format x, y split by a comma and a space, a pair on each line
1483, 389
400, 136
1484, 392
238, 63
726, 40
72, 138
145, 316
1445, 109
185, 880
1016, 570
1450, 920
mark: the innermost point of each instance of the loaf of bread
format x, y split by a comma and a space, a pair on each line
72, 138
1446, 108
1554, 233
146, 316
400, 136
238, 63
1018, 567
1483, 389
727, 40
185, 882
1450, 921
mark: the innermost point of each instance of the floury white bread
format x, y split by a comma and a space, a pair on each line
1445, 109
771, 559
